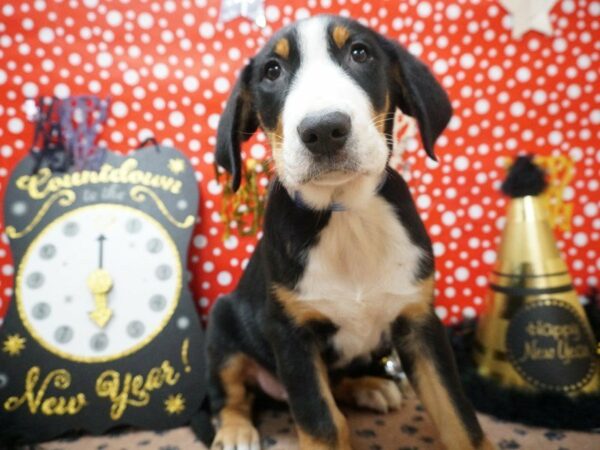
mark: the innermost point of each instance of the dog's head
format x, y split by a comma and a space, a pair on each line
324, 90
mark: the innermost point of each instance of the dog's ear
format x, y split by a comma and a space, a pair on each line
236, 125
417, 93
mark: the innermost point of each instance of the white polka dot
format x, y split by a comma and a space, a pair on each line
131, 77
258, 151
3, 76
424, 9
214, 187
160, 71
119, 109
176, 119
441, 312
213, 121
7, 270
208, 266
46, 35
539, 97
302, 13
482, 106
461, 274
272, 13
580, 239
461, 163
448, 218
7, 152
104, 59
517, 109
90, 3
559, 45
450, 292
489, 256
30, 89
8, 10
114, 18
222, 85
467, 61
15, 125
574, 91
469, 312
191, 83
207, 31
453, 12
555, 137
523, 74
231, 243
224, 278
495, 73
438, 249
61, 90
475, 212
440, 66
424, 201
200, 241
590, 210
145, 20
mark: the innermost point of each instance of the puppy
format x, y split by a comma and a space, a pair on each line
344, 271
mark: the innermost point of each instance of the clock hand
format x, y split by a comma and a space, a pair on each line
100, 284
101, 240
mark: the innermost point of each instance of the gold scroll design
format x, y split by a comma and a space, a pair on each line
139, 194
65, 198
35, 396
560, 171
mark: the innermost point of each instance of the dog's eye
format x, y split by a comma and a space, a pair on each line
359, 53
272, 70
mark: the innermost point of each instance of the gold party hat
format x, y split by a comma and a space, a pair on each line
534, 333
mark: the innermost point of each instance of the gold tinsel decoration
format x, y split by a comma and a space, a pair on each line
243, 210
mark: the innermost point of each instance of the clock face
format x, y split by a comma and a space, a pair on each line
98, 283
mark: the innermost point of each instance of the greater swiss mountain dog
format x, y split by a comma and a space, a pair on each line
344, 271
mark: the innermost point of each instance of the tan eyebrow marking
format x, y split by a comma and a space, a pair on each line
282, 48
340, 35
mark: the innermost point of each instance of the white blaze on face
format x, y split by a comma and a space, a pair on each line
320, 86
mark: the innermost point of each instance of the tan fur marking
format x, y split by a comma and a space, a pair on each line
308, 442
300, 311
380, 117
282, 48
238, 403
340, 35
421, 308
437, 402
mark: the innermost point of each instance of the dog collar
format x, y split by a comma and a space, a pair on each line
334, 206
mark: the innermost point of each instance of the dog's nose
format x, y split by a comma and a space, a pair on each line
325, 133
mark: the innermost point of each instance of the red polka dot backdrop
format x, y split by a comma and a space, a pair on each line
168, 67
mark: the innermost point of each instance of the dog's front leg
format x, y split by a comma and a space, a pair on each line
301, 370
427, 357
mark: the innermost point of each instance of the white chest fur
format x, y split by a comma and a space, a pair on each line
361, 275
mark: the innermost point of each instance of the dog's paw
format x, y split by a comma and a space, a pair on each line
378, 394
236, 437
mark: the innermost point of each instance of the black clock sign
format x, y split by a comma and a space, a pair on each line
102, 330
